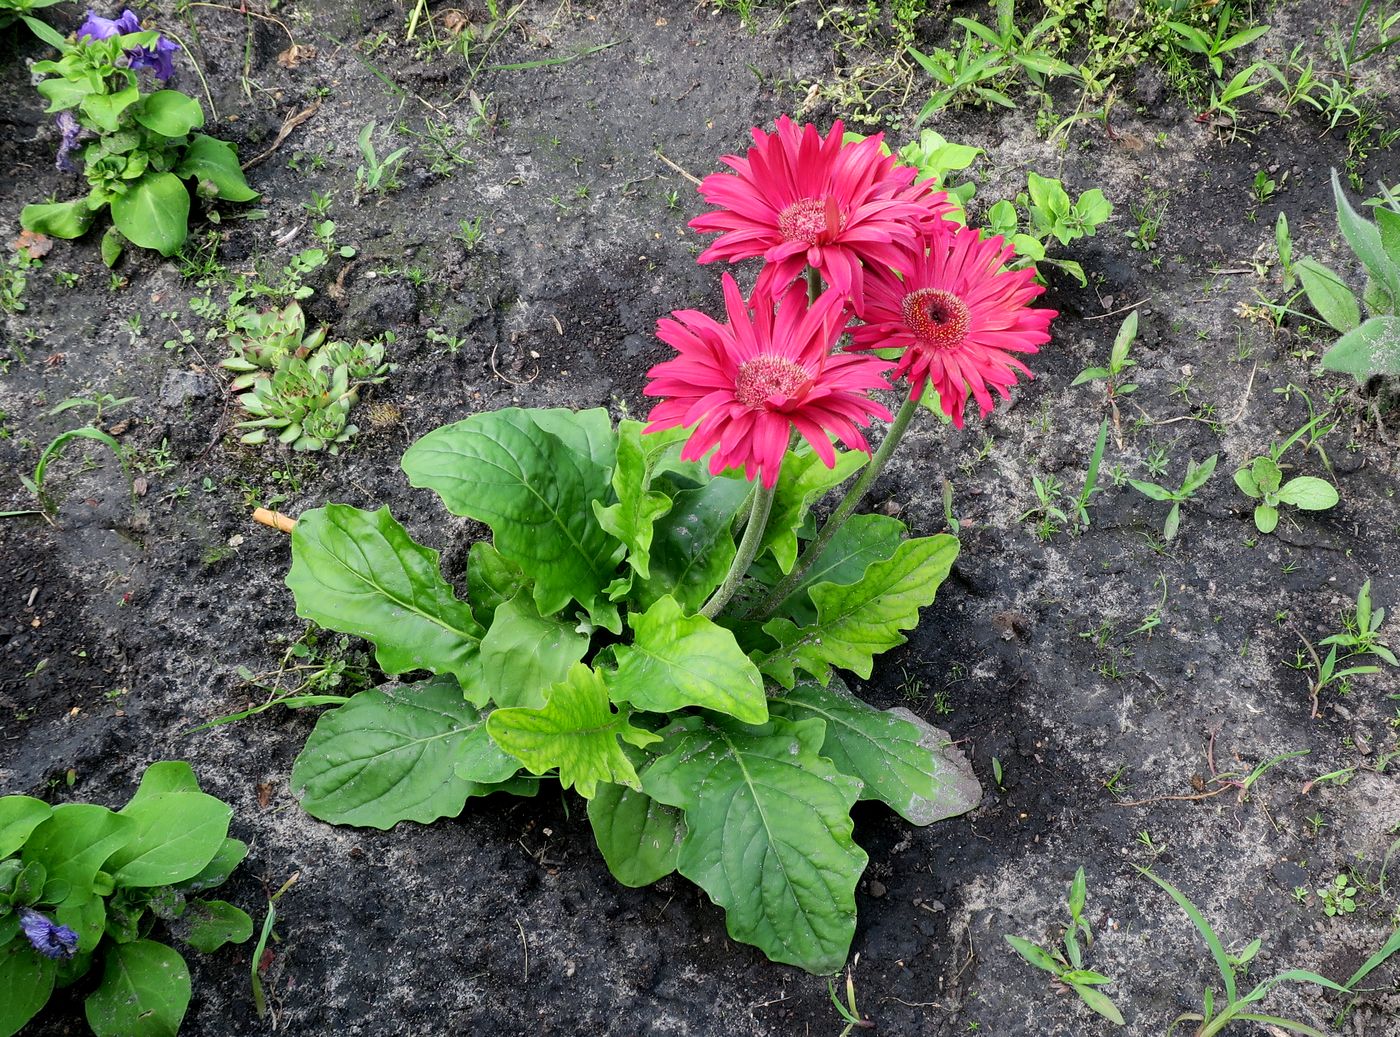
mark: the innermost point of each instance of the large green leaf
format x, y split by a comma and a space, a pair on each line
228, 857
692, 545
903, 761
802, 482
144, 992
360, 572
638, 506
576, 731
207, 925
536, 492
26, 981
1372, 349
858, 621
214, 161
178, 830
169, 112
491, 581
481, 760
19, 815
677, 660
861, 540
768, 833
75, 842
58, 219
524, 654
1364, 237
154, 212
640, 838
387, 756
1330, 297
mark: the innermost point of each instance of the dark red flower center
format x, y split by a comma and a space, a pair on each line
936, 317
766, 376
813, 220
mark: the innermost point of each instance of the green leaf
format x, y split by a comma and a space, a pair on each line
165, 776
1149, 489
1372, 349
388, 755
1330, 297
1365, 240
802, 481
692, 546
640, 839
1098, 1002
1267, 475
491, 581
1244, 479
481, 760
524, 654
536, 492
154, 212
26, 981
75, 842
19, 815
207, 925
1092, 209
638, 506
768, 833
112, 245
862, 540
1123, 341
144, 993
677, 661
177, 834
58, 219
903, 761
576, 731
229, 856
170, 112
857, 622
1265, 518
1309, 493
105, 109
1034, 954
1198, 475
360, 573
215, 161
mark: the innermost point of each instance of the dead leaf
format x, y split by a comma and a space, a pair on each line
264, 794
295, 55
35, 246
454, 22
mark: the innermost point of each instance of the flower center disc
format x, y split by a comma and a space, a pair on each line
937, 318
814, 220
766, 376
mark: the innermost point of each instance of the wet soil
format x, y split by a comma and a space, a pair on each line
126, 620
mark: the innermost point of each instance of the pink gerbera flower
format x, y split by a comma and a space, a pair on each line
958, 315
801, 200
749, 382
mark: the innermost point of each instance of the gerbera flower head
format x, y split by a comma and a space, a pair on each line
799, 199
958, 315
747, 383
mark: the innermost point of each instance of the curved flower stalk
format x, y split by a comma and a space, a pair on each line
958, 315
800, 200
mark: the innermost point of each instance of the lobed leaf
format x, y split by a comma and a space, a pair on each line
802, 482
638, 506
576, 731
359, 572
524, 654
903, 761
768, 833
692, 545
856, 622
863, 539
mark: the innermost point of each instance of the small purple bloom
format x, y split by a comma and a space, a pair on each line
160, 59
48, 937
98, 28
72, 133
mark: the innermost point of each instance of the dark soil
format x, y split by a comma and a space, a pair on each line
125, 622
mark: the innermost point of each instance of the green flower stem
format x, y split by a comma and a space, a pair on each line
838, 518
748, 547
814, 285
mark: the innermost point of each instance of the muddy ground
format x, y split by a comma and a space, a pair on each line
125, 622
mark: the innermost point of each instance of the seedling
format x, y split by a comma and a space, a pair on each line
35, 484
1196, 477
1067, 966
1118, 364
375, 176
1338, 897
849, 1012
1360, 639
1262, 480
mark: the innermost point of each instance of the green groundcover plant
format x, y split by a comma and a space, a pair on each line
663, 634
138, 148
81, 885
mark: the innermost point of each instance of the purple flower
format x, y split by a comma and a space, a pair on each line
98, 28
48, 937
160, 59
72, 133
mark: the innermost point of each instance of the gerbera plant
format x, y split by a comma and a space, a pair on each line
655, 622
137, 148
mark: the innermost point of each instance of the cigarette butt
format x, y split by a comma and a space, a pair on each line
275, 519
